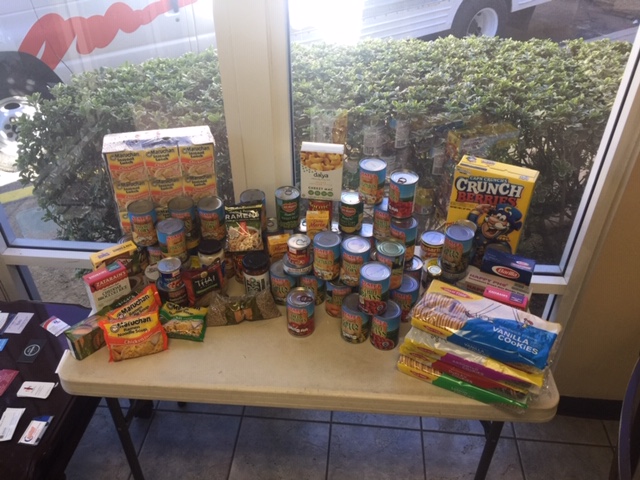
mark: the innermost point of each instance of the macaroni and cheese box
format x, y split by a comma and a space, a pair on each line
321, 167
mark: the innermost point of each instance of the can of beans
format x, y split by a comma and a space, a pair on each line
356, 251
382, 220
154, 252
456, 251
375, 278
300, 312
429, 274
414, 268
391, 253
351, 212
326, 255
316, 285
322, 206
406, 296
385, 327
176, 295
281, 282
366, 231
142, 217
402, 192
355, 323
431, 243
299, 250
253, 195
211, 216
373, 174
288, 207
172, 238
336, 293
169, 270
184, 209
405, 230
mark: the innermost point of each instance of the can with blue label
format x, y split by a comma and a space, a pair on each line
281, 282
382, 220
385, 327
373, 174
355, 323
356, 251
184, 209
316, 285
336, 293
391, 253
172, 238
406, 296
211, 217
405, 230
143, 217
373, 295
456, 252
326, 255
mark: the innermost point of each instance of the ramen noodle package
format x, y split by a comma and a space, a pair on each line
185, 323
133, 337
244, 227
148, 300
233, 310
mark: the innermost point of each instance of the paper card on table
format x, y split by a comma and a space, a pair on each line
31, 351
4, 316
9, 422
3, 343
35, 430
36, 389
18, 323
54, 325
6, 377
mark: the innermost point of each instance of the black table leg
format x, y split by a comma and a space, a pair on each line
122, 428
492, 432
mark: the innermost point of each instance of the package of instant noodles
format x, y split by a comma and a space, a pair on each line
146, 301
186, 323
133, 337
244, 227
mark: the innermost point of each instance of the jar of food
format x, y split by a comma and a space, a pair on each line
255, 266
209, 251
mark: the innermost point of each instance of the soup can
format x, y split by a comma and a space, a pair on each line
281, 282
326, 255
176, 295
169, 270
316, 285
294, 270
382, 220
322, 206
406, 296
211, 216
356, 251
142, 217
456, 251
414, 268
385, 327
429, 274
336, 293
391, 253
366, 231
402, 192
373, 294
172, 238
405, 230
431, 243
355, 324
351, 212
299, 250
154, 252
254, 195
300, 312
288, 207
184, 209
373, 174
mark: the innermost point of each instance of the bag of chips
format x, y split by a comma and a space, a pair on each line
133, 337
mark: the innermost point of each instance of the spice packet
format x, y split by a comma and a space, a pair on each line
185, 323
244, 227
234, 310
133, 337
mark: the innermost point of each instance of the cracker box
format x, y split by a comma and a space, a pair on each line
496, 197
321, 167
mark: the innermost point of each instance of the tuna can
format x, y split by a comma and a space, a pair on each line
299, 250
322, 206
382, 220
375, 278
391, 253
355, 324
254, 195
184, 209
316, 285
336, 293
176, 295
402, 192
351, 212
143, 218
172, 238
300, 312
288, 207
326, 255
356, 251
406, 296
385, 327
169, 270
154, 252
294, 270
281, 282
406, 231
414, 268
211, 215
456, 251
373, 174
431, 243
429, 274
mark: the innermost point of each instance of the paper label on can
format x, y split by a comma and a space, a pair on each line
372, 297
384, 334
325, 264
280, 287
350, 269
212, 225
352, 325
299, 321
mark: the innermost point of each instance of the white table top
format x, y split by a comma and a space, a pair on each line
261, 364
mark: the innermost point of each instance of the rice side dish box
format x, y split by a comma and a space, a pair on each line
107, 284
321, 167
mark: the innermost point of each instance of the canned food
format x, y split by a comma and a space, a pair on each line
211, 215
351, 212
237, 266
281, 282
402, 191
356, 251
176, 295
456, 251
355, 323
431, 243
294, 270
375, 278
288, 207
382, 220
429, 274
302, 228
373, 174
326, 255
154, 252
406, 231
300, 312
142, 217
184, 209
316, 285
367, 232
392, 254
385, 327
406, 296
151, 274
139, 259
169, 270
336, 293
298, 250
172, 240
254, 195
414, 268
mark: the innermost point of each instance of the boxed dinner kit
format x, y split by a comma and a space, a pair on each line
321, 167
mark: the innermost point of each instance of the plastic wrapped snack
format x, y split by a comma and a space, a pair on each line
186, 323
133, 337
233, 310
148, 300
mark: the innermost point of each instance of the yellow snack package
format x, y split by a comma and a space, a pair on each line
133, 337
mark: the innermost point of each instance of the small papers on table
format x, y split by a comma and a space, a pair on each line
36, 389
9, 422
6, 377
54, 326
18, 322
35, 430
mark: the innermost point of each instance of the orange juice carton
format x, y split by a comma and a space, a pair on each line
495, 197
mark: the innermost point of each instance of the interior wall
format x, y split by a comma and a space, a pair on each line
603, 343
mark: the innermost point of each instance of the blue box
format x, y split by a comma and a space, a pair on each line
506, 265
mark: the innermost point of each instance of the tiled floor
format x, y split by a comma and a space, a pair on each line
232, 442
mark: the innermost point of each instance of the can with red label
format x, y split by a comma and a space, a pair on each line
336, 293
385, 327
405, 230
356, 251
143, 219
211, 216
299, 250
391, 253
288, 207
456, 252
351, 212
326, 255
402, 192
431, 243
373, 174
355, 323
316, 285
406, 296
321, 206
300, 312
375, 278
382, 220
172, 238
184, 209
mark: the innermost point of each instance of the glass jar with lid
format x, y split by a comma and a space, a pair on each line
209, 251
255, 266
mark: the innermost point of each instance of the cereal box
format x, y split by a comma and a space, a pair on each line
321, 166
496, 197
